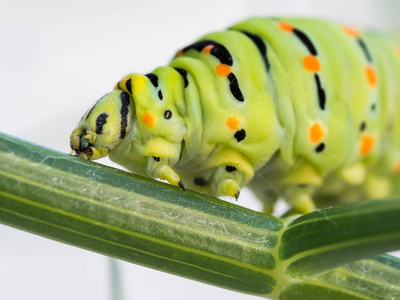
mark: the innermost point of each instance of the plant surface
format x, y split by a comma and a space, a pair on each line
327, 254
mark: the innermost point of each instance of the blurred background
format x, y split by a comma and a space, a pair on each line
59, 57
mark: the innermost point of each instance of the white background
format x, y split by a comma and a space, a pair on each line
58, 57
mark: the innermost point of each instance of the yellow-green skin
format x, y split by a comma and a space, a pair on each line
299, 141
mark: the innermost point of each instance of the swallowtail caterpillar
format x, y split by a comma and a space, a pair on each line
308, 105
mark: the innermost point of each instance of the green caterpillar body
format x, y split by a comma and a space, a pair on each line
309, 105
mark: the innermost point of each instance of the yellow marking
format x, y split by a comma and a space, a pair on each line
121, 85
138, 83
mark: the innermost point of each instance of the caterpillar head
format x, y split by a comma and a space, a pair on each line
103, 126
141, 118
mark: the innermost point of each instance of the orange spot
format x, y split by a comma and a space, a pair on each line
397, 168
285, 26
367, 144
232, 123
223, 70
371, 76
311, 63
179, 53
207, 49
148, 119
316, 133
351, 32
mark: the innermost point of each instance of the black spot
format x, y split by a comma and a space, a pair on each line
302, 185
306, 41
364, 49
240, 135
184, 75
219, 51
156, 158
230, 168
200, 181
373, 107
100, 121
262, 47
321, 92
234, 86
124, 96
222, 54
167, 114
153, 78
160, 95
128, 85
363, 126
320, 148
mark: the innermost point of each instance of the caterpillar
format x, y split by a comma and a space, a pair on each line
307, 105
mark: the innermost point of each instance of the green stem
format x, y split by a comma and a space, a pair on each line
376, 278
324, 239
185, 233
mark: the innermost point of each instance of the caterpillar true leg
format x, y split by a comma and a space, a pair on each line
227, 180
158, 168
229, 187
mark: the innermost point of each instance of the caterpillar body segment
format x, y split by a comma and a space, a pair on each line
301, 108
